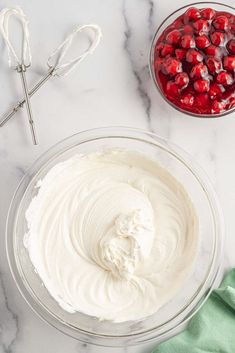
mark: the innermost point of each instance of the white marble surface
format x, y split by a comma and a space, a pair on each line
112, 87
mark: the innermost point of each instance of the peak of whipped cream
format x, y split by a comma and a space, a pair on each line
111, 234
129, 242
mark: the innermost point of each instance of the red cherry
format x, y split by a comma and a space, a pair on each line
187, 41
178, 23
212, 50
231, 46
182, 80
221, 23
228, 94
193, 56
229, 63
194, 60
216, 90
231, 18
208, 13
167, 50
180, 54
218, 38
188, 29
201, 26
172, 89
232, 28
214, 65
187, 100
231, 103
217, 107
173, 37
157, 63
202, 100
224, 78
228, 15
199, 71
191, 14
172, 66
201, 86
202, 42
158, 49
232, 23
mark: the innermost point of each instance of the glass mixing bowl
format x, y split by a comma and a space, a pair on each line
165, 23
197, 286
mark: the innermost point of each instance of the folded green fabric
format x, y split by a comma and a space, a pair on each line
212, 329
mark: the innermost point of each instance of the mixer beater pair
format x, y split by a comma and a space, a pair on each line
56, 66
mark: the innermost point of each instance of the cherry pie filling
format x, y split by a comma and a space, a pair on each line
194, 61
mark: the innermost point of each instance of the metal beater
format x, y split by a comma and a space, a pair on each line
20, 64
56, 65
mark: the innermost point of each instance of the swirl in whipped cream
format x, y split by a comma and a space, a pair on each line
111, 234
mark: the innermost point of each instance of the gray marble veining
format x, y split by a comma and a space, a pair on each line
137, 55
9, 326
112, 87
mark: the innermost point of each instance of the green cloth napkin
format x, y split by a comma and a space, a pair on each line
212, 329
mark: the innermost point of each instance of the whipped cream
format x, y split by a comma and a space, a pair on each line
111, 234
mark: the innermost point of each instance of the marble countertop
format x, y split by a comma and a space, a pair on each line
112, 87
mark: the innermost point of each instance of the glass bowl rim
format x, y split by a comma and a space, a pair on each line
151, 62
147, 335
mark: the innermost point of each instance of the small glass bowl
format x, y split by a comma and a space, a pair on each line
204, 273
165, 23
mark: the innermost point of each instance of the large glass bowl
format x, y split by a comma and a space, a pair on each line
197, 286
165, 23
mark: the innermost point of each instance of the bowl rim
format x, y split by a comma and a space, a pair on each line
151, 62
144, 336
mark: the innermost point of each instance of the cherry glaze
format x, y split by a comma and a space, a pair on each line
194, 61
